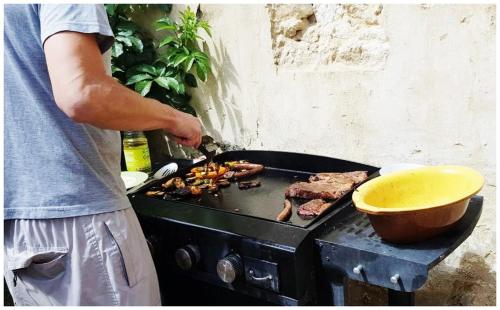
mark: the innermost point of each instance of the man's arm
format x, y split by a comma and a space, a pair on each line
84, 92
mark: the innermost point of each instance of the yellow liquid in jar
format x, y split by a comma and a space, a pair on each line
136, 153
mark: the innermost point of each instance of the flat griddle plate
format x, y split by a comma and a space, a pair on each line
266, 201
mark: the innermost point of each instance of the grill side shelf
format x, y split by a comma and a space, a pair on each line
353, 249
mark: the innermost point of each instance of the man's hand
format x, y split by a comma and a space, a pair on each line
188, 130
86, 94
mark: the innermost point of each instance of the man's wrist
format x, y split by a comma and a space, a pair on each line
169, 117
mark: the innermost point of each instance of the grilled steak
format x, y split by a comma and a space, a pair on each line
318, 190
326, 185
313, 208
356, 176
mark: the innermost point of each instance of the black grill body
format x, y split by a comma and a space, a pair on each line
307, 261
266, 247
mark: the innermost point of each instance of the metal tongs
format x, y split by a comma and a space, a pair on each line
208, 147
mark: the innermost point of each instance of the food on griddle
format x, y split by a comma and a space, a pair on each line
356, 176
326, 185
318, 190
195, 190
213, 188
313, 208
179, 183
248, 184
183, 191
154, 193
285, 214
209, 177
168, 184
223, 183
244, 170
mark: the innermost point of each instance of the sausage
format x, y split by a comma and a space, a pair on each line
250, 169
286, 212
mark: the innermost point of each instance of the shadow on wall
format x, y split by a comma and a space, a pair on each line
214, 100
471, 284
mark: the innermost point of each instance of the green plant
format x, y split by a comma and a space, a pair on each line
163, 72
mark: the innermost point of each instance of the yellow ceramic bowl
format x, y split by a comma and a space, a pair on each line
417, 204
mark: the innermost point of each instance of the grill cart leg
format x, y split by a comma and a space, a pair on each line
397, 298
338, 292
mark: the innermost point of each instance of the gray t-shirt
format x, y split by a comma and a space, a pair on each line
54, 167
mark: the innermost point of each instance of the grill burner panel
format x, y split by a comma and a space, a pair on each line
266, 201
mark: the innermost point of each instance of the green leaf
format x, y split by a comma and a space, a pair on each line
117, 49
181, 89
124, 40
200, 55
168, 56
143, 87
137, 78
179, 59
116, 69
201, 71
137, 43
164, 21
166, 27
146, 69
160, 69
204, 24
189, 64
167, 82
125, 33
167, 40
190, 80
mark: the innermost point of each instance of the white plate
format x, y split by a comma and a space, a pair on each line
133, 178
398, 167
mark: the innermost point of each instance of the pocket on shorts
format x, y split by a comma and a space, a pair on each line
125, 255
39, 263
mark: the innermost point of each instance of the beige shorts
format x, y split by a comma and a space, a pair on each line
100, 259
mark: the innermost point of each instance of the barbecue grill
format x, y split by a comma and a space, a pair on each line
228, 249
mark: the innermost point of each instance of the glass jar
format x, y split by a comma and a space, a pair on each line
136, 151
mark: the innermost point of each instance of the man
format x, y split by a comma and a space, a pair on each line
71, 236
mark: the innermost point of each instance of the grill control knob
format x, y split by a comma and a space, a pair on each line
358, 269
230, 268
187, 257
395, 278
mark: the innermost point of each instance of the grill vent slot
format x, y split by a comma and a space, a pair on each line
358, 225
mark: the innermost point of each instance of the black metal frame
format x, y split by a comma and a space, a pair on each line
352, 242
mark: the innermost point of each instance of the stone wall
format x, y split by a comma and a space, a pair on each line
378, 84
